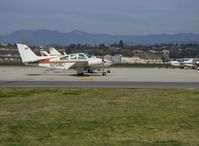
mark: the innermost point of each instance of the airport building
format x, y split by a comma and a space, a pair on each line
122, 59
132, 60
115, 59
140, 60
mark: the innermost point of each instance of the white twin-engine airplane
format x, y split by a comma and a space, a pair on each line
78, 61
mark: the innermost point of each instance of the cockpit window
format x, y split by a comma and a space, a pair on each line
81, 56
73, 57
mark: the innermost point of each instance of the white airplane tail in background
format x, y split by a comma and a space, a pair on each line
44, 53
190, 61
27, 55
54, 52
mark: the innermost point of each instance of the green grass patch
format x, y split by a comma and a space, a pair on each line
59, 116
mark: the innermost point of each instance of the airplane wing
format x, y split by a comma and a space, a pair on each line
80, 65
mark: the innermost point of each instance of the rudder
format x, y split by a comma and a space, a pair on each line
27, 55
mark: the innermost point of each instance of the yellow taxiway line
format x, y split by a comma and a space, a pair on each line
86, 79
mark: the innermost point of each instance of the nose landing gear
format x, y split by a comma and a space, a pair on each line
103, 70
108, 70
80, 73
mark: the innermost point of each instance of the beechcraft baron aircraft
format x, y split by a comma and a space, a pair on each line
78, 61
54, 52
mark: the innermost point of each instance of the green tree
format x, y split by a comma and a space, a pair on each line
121, 44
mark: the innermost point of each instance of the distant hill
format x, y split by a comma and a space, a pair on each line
43, 37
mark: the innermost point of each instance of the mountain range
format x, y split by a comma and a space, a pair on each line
49, 37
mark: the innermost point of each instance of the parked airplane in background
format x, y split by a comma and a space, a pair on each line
177, 64
197, 65
54, 52
44, 53
78, 61
182, 64
189, 63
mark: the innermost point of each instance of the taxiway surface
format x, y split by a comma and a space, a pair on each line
118, 78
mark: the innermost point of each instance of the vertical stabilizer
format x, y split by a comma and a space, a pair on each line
54, 52
27, 55
44, 53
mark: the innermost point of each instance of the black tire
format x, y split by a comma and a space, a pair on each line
90, 71
80, 73
108, 71
104, 73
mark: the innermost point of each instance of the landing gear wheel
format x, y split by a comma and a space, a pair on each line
104, 73
80, 73
108, 71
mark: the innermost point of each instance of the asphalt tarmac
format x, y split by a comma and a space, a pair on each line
118, 78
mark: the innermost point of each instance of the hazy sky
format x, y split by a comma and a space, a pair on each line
135, 17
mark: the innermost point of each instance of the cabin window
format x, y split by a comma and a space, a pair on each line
81, 56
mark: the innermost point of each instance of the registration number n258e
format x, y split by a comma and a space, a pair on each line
57, 64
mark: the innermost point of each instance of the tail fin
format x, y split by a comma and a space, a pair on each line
44, 53
27, 55
54, 52
189, 61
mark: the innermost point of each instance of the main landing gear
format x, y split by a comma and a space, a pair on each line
104, 73
80, 73
108, 70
